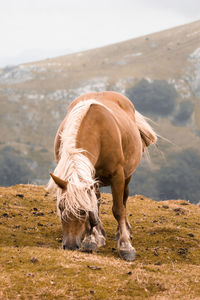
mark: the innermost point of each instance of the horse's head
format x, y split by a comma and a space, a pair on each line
74, 222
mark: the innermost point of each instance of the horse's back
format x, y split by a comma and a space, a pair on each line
113, 100
100, 136
109, 132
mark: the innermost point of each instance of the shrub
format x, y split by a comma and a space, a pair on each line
183, 114
157, 98
14, 168
178, 178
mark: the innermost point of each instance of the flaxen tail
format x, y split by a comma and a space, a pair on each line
147, 133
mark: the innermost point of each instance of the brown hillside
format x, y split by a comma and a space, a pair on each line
34, 98
166, 236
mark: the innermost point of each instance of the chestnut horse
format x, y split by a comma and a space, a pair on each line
99, 143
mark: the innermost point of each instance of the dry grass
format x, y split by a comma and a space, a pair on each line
33, 266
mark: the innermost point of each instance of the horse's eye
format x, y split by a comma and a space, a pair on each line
82, 213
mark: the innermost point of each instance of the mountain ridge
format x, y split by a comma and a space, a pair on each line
160, 73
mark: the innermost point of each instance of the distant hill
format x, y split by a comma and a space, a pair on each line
160, 73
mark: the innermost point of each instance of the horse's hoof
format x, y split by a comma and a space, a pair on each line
128, 255
127, 252
88, 247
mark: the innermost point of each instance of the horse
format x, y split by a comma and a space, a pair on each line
99, 143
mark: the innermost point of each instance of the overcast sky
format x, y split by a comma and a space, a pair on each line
37, 29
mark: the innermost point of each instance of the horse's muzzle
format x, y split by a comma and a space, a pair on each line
94, 220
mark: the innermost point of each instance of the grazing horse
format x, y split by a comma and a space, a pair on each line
99, 143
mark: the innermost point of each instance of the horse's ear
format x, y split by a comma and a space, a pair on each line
61, 183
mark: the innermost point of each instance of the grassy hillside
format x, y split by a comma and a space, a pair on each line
166, 236
159, 72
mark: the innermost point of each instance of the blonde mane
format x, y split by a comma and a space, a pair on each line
75, 168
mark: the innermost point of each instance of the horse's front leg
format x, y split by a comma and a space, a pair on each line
126, 250
94, 235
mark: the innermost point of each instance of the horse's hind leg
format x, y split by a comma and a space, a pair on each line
126, 194
94, 236
125, 197
120, 195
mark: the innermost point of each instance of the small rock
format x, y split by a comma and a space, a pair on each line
129, 273
182, 251
130, 215
191, 234
20, 195
35, 208
91, 292
165, 206
94, 267
52, 282
158, 263
5, 215
39, 214
29, 274
179, 211
34, 260
155, 252
16, 226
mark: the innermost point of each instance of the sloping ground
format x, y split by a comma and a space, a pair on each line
166, 236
